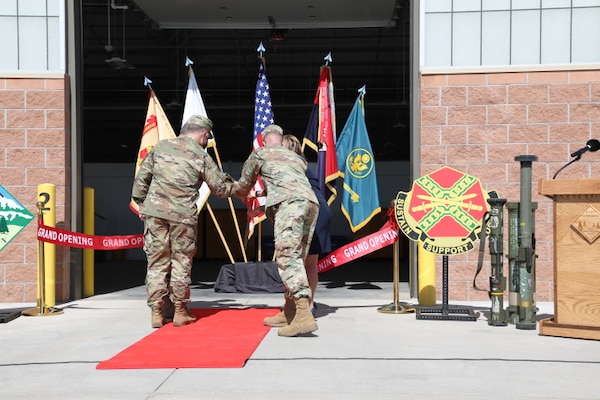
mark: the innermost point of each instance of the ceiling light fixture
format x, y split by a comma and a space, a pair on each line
174, 104
119, 63
115, 61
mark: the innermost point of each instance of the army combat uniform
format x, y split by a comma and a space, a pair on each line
166, 190
292, 207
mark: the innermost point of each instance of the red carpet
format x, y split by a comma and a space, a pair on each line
220, 338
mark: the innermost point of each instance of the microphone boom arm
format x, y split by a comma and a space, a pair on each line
591, 145
577, 158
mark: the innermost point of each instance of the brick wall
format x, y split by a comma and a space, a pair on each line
478, 123
33, 150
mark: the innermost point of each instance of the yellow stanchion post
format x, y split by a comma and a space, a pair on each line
42, 309
88, 229
426, 276
47, 195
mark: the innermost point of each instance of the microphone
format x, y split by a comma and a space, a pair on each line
591, 145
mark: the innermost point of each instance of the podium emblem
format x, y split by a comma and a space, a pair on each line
588, 224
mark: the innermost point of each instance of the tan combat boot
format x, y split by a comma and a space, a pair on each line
157, 317
182, 316
303, 321
284, 317
168, 309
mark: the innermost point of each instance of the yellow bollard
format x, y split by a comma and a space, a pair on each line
88, 229
426, 278
47, 195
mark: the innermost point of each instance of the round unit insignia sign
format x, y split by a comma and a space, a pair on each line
359, 163
444, 210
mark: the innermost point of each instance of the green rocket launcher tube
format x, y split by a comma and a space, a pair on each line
526, 257
497, 279
513, 266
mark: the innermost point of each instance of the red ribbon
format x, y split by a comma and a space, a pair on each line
62, 237
388, 234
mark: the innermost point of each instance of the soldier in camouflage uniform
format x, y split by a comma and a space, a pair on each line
293, 208
166, 190
321, 241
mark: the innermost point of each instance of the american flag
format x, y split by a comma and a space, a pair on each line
263, 116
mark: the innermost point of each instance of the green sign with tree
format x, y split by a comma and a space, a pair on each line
13, 217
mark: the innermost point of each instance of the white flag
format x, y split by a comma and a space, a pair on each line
194, 105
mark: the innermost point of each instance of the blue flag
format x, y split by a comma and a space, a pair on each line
360, 196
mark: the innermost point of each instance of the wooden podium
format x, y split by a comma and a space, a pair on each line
576, 258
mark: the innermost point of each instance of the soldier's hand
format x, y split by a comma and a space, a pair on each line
257, 193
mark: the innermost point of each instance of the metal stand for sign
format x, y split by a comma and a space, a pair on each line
445, 311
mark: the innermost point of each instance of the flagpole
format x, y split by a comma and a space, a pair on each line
220, 232
259, 243
233, 213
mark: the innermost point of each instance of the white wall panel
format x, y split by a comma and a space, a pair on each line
586, 35
495, 37
438, 36
466, 39
8, 44
556, 36
525, 37
32, 43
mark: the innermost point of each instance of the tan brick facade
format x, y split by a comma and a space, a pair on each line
478, 122
33, 151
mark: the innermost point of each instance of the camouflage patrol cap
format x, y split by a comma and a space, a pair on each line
272, 128
201, 121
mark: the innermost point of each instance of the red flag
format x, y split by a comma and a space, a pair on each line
320, 135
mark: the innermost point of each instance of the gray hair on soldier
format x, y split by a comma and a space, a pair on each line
195, 123
273, 131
